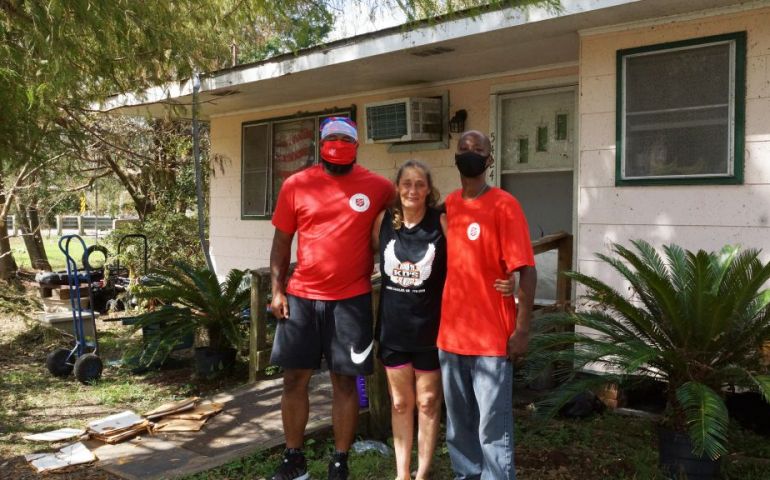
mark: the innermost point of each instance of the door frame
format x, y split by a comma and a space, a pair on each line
529, 89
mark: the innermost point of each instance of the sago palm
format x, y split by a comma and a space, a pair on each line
193, 300
695, 320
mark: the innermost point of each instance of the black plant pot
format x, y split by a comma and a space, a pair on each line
677, 460
209, 361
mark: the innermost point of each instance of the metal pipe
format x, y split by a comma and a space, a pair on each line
198, 174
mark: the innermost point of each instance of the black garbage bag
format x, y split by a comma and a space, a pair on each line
583, 405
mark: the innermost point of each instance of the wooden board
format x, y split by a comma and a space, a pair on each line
200, 412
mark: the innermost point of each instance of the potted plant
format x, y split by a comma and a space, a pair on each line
695, 320
193, 301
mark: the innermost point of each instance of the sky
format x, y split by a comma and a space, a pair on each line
355, 18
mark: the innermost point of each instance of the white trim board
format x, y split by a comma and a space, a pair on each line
677, 18
423, 86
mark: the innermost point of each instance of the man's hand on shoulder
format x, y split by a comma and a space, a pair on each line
505, 286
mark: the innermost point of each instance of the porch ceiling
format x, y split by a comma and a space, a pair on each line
494, 43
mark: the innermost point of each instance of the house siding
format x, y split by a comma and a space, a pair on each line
237, 243
694, 217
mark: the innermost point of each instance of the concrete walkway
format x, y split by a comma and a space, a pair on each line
250, 421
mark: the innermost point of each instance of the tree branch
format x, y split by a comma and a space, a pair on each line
96, 134
12, 192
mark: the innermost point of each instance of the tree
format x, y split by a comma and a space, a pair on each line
150, 158
60, 56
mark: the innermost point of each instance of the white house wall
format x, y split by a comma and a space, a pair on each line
707, 216
237, 243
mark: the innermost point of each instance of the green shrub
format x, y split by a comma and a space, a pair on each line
696, 320
172, 237
191, 300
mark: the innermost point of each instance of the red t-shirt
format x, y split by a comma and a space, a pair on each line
487, 239
333, 218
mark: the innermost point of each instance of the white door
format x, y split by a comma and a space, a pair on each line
535, 152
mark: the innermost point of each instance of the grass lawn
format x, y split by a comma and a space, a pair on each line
55, 255
34, 401
603, 447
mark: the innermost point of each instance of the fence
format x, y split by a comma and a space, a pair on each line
79, 223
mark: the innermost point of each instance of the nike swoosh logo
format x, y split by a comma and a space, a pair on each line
358, 358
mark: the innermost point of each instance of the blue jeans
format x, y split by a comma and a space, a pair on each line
479, 398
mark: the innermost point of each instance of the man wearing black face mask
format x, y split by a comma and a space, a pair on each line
482, 332
325, 310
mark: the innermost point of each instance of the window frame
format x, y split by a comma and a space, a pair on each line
737, 109
350, 112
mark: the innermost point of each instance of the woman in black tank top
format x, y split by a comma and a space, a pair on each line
412, 246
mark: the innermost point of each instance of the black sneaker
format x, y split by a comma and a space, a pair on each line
293, 466
338, 466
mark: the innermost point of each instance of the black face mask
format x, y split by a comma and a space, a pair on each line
336, 169
471, 164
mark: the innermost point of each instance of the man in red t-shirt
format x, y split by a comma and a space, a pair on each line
326, 308
482, 332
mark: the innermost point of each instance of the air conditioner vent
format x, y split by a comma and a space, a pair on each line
385, 122
404, 120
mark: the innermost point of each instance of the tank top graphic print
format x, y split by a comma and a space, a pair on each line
413, 267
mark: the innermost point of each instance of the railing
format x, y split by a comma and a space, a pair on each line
259, 346
562, 242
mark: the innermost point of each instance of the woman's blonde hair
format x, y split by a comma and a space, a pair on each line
430, 201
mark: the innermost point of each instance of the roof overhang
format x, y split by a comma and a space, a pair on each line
491, 43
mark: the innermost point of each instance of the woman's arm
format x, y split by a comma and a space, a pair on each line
376, 231
443, 221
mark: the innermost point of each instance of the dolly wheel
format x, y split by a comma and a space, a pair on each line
56, 362
88, 368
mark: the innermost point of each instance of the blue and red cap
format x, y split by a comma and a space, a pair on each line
339, 125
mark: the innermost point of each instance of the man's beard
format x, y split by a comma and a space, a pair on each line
336, 169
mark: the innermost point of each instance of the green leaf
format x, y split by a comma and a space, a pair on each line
30, 97
763, 384
707, 418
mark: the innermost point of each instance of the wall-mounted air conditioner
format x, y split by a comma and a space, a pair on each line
404, 120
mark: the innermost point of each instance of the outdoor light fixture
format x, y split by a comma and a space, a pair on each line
457, 123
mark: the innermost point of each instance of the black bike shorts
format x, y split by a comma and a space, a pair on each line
425, 361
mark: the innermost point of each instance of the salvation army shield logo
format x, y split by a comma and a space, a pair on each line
359, 202
474, 230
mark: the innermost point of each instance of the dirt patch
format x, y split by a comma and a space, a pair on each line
18, 469
34, 401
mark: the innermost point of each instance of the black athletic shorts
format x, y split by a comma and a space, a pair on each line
426, 361
338, 330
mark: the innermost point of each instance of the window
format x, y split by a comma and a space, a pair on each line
271, 150
680, 112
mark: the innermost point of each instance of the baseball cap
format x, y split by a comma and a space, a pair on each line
339, 125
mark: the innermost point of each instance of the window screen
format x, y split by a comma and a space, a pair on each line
255, 169
678, 111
